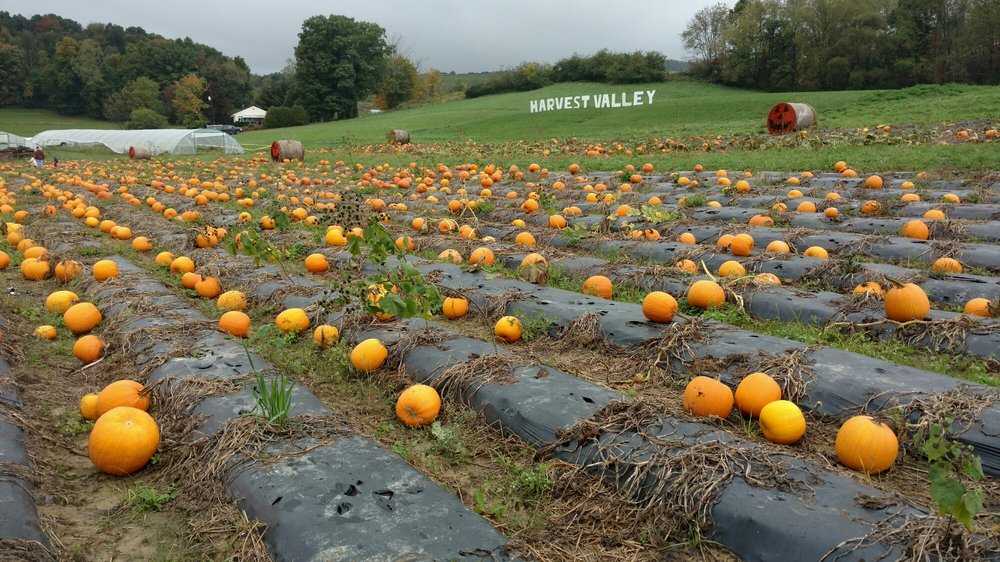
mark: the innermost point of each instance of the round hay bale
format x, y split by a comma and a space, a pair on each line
139, 153
788, 117
398, 136
282, 150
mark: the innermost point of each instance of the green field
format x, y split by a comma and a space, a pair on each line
28, 122
681, 108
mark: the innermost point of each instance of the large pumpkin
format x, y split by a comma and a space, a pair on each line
906, 302
866, 445
508, 329
782, 422
59, 302
659, 306
598, 286
755, 391
418, 405
82, 317
88, 349
235, 323
292, 320
705, 396
123, 392
369, 355
123, 440
705, 294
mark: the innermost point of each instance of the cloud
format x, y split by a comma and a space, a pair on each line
459, 35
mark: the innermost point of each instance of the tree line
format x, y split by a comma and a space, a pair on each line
846, 44
112, 72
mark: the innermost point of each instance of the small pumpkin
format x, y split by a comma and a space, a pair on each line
235, 323
46, 332
916, 229
88, 349
231, 300
946, 265
704, 396
732, 268
782, 422
123, 440
59, 302
866, 445
326, 335
369, 355
88, 406
418, 405
979, 307
317, 263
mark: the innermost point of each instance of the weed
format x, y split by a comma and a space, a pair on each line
144, 498
447, 442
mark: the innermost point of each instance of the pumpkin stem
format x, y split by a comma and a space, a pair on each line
707, 272
895, 282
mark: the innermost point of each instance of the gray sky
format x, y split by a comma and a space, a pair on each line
459, 35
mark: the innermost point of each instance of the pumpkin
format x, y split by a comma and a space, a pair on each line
46, 332
866, 445
142, 244
326, 335
482, 256
755, 391
316, 263
508, 329
455, 307
687, 238
88, 349
82, 317
705, 294
369, 355
732, 268
208, 287
598, 286
231, 300
916, 229
764, 279
403, 244
782, 422
235, 323
869, 288
34, 269
88, 406
124, 392
4, 260
557, 221
874, 182
190, 279
451, 255
761, 220
978, 307
418, 405
182, 264
705, 396
659, 307
164, 259
817, 252
687, 266
806, 207
777, 247
59, 302
906, 302
724, 241
741, 245
525, 239
123, 440
935, 215
946, 265
292, 320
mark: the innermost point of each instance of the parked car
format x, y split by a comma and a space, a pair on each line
229, 129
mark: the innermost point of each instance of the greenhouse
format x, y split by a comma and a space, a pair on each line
10, 140
147, 141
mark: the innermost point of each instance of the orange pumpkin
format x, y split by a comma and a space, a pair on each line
455, 307
916, 229
979, 307
316, 263
705, 294
598, 286
866, 445
755, 391
88, 349
946, 265
235, 323
659, 307
123, 440
124, 392
704, 396
782, 422
418, 405
369, 355
508, 329
906, 302
82, 317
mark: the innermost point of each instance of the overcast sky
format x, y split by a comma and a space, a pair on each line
459, 35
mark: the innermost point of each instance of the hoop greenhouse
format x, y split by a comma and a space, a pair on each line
153, 141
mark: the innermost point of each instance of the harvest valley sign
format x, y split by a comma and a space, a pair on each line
597, 101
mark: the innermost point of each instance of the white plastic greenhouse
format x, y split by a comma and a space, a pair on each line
10, 140
149, 141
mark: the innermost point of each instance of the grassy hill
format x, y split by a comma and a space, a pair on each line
680, 108
28, 122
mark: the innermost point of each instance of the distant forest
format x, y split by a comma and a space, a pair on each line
846, 44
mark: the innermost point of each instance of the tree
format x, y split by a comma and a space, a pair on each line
338, 61
399, 82
186, 100
704, 37
430, 84
145, 118
141, 92
281, 116
13, 74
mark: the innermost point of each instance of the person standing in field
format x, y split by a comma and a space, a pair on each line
38, 157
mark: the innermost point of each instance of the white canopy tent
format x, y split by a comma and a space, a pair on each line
155, 141
252, 114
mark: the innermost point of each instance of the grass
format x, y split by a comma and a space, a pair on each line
144, 498
681, 108
29, 122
